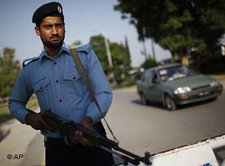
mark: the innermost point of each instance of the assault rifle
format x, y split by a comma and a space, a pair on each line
68, 128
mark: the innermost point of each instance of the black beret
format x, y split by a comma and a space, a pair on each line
49, 9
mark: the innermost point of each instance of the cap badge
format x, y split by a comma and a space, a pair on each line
59, 9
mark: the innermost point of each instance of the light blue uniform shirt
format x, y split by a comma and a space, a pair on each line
58, 85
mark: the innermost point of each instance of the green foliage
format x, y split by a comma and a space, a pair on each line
150, 62
121, 61
98, 45
9, 70
77, 43
5, 114
177, 25
119, 54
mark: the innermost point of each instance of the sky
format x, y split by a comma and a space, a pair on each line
83, 19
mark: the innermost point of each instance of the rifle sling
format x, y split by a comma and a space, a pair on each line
85, 78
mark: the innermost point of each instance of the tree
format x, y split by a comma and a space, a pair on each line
179, 26
77, 43
120, 58
149, 62
9, 70
98, 45
121, 61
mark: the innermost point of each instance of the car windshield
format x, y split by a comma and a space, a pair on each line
175, 72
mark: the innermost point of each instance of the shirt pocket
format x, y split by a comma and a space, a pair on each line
40, 89
73, 83
41, 85
71, 77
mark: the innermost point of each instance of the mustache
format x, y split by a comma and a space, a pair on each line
55, 36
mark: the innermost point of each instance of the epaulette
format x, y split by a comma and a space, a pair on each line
84, 48
29, 60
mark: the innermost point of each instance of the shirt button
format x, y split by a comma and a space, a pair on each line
55, 63
57, 81
74, 78
60, 100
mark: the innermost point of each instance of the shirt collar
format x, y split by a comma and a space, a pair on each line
64, 49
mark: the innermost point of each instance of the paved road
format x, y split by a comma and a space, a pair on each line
139, 128
23, 146
151, 128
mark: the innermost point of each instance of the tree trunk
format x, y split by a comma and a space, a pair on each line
184, 56
185, 60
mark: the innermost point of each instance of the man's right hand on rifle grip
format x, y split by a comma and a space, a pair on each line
36, 121
86, 122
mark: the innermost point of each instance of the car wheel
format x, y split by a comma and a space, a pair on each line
143, 99
170, 105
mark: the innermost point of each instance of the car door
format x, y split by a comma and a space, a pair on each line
154, 89
145, 83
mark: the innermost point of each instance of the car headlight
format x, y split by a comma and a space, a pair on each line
181, 90
214, 83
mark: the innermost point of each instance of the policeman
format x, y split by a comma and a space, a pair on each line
54, 78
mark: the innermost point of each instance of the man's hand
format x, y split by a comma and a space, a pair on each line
86, 122
36, 121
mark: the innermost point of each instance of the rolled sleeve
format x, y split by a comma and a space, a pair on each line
19, 97
100, 87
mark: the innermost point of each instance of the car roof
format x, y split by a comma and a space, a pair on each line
164, 66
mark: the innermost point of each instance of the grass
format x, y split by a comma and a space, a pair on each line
4, 111
218, 76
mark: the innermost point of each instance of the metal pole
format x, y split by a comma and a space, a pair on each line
109, 58
153, 50
108, 52
144, 51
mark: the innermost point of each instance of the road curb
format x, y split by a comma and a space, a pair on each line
5, 129
4, 132
13, 147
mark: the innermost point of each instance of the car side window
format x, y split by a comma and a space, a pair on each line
146, 77
143, 77
154, 78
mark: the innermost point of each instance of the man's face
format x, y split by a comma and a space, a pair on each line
51, 31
